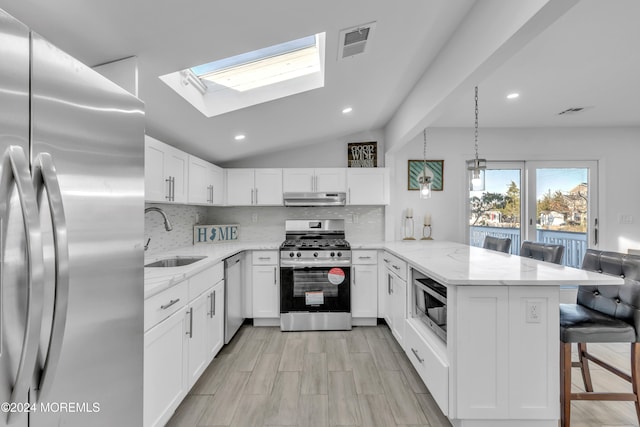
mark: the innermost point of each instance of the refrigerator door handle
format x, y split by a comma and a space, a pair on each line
15, 168
45, 178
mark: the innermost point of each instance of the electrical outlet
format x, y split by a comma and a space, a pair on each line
254, 218
625, 219
533, 312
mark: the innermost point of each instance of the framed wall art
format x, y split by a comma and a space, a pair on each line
415, 170
362, 154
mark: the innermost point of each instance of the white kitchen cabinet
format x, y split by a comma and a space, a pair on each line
311, 180
182, 337
206, 183
215, 320
364, 285
196, 337
367, 186
254, 187
165, 172
266, 285
395, 295
165, 382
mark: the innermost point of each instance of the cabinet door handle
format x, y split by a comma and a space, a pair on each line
386, 260
349, 191
264, 258
275, 279
396, 267
169, 304
252, 196
212, 304
354, 277
190, 313
256, 196
415, 353
364, 257
173, 188
389, 278
168, 196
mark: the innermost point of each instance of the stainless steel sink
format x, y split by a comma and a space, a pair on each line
178, 261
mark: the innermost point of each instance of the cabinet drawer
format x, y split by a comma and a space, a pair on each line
364, 257
264, 257
204, 280
395, 264
432, 369
159, 307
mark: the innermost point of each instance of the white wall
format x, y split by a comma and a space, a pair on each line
617, 151
323, 154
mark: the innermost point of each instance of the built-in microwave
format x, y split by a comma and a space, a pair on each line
431, 304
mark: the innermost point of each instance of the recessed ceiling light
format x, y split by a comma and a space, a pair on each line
239, 137
347, 110
513, 95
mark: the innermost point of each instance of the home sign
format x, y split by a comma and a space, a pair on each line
215, 233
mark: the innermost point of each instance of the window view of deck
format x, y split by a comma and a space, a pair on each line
561, 211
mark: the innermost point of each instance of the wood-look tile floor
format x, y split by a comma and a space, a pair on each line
268, 378
265, 377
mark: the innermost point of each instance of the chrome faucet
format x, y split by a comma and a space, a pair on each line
167, 223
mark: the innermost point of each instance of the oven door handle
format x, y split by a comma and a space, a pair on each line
308, 267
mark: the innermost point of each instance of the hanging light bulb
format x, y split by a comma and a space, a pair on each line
426, 177
476, 166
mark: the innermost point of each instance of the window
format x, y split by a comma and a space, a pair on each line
558, 204
252, 78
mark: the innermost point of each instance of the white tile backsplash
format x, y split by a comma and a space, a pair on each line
182, 217
363, 224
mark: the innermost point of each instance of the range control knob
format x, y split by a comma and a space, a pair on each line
333, 254
315, 254
291, 254
298, 254
339, 253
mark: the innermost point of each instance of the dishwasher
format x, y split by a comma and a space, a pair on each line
232, 296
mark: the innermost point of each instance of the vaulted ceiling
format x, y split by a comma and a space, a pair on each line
588, 58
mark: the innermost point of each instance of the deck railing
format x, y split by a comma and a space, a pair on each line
575, 244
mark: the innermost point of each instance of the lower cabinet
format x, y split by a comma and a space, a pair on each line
430, 361
215, 320
394, 294
266, 285
180, 346
164, 379
364, 285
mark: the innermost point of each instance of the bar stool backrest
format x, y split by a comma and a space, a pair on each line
542, 251
619, 301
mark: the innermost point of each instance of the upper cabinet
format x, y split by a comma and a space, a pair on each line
206, 183
307, 180
368, 186
254, 187
165, 172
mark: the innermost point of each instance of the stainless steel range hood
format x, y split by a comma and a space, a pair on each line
315, 199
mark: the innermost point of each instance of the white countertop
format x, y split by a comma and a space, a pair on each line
447, 262
456, 264
157, 279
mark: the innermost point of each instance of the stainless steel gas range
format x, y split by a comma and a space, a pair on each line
315, 276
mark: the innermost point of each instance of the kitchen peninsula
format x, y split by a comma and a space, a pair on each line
500, 360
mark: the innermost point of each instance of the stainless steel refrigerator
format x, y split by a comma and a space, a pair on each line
71, 232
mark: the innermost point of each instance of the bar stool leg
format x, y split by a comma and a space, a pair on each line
584, 366
565, 384
635, 374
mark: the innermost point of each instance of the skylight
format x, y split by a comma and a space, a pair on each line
253, 77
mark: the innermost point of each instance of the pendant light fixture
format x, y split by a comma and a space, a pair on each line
476, 166
426, 177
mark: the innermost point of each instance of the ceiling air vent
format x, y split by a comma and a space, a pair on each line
354, 41
573, 110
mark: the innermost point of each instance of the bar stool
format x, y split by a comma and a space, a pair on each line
542, 251
602, 314
497, 243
